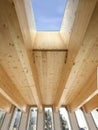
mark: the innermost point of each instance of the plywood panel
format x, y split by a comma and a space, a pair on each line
49, 65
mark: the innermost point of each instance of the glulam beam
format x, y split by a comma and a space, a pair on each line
26, 20
88, 91
85, 10
91, 104
27, 26
9, 90
68, 19
5, 105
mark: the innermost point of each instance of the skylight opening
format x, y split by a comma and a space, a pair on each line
48, 14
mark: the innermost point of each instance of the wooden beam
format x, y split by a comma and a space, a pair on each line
87, 92
68, 19
9, 90
26, 58
26, 20
5, 105
76, 39
91, 104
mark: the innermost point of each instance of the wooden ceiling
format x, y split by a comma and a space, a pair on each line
49, 68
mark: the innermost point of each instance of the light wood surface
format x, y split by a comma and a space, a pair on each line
75, 44
4, 103
91, 104
48, 68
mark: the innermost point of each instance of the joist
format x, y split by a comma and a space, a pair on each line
10, 34
86, 64
91, 104
26, 21
77, 36
9, 90
4, 103
87, 92
68, 19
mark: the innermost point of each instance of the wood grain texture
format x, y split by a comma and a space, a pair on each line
86, 93
10, 35
91, 104
9, 90
4, 103
84, 68
76, 39
26, 20
68, 19
27, 25
49, 65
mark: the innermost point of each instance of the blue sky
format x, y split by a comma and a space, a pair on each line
48, 14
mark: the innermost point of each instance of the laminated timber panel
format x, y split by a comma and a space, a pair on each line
91, 104
85, 10
49, 64
10, 35
85, 64
5, 105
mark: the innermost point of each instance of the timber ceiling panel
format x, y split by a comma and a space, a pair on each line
49, 65
35, 63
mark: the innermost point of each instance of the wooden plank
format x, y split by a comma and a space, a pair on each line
89, 90
68, 19
77, 36
26, 21
9, 90
91, 104
5, 105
